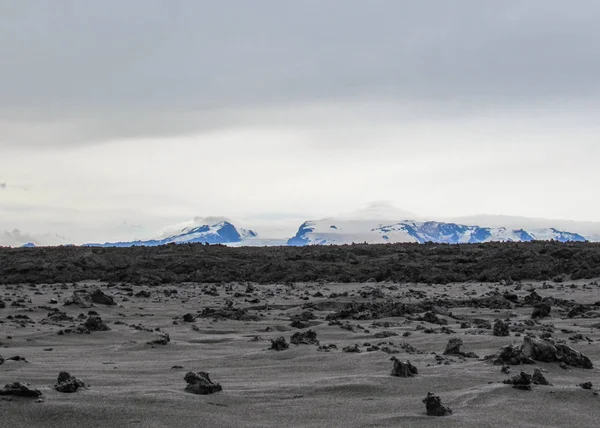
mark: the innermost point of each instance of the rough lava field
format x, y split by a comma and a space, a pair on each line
156, 353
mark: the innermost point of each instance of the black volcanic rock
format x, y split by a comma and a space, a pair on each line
20, 389
540, 350
501, 329
67, 383
434, 406
101, 298
453, 348
308, 337
521, 381
279, 344
95, 323
200, 383
402, 369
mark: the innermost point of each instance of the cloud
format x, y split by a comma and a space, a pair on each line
145, 68
2, 186
16, 238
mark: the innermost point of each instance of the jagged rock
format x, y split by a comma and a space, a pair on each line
307, 338
228, 312
81, 299
501, 329
540, 350
162, 339
539, 379
352, 348
434, 406
20, 389
57, 317
384, 334
326, 348
520, 381
453, 348
67, 383
95, 323
541, 310
101, 298
432, 318
401, 369
299, 324
143, 293
279, 344
200, 383
532, 298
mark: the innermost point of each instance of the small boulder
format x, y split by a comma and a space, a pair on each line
538, 378
188, 318
67, 383
161, 339
521, 381
101, 298
453, 348
20, 389
95, 323
501, 329
308, 337
434, 406
401, 369
200, 383
143, 293
586, 385
279, 344
541, 310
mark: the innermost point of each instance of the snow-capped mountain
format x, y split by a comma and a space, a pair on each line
330, 232
222, 232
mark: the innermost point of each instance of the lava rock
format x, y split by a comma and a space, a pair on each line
188, 318
501, 329
453, 348
434, 406
540, 350
162, 339
539, 379
401, 369
541, 310
95, 323
67, 383
81, 299
101, 298
279, 344
200, 383
20, 389
521, 381
352, 348
308, 337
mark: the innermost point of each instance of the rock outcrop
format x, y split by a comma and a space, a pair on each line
200, 383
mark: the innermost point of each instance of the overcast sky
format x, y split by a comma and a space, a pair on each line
121, 118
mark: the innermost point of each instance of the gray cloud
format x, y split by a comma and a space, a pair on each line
17, 238
91, 71
2, 186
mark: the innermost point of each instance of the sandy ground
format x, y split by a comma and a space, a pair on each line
133, 384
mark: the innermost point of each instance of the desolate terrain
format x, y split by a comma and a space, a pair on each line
56, 303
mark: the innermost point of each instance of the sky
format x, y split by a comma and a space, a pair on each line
120, 119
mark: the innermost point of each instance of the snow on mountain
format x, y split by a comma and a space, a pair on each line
338, 232
222, 232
